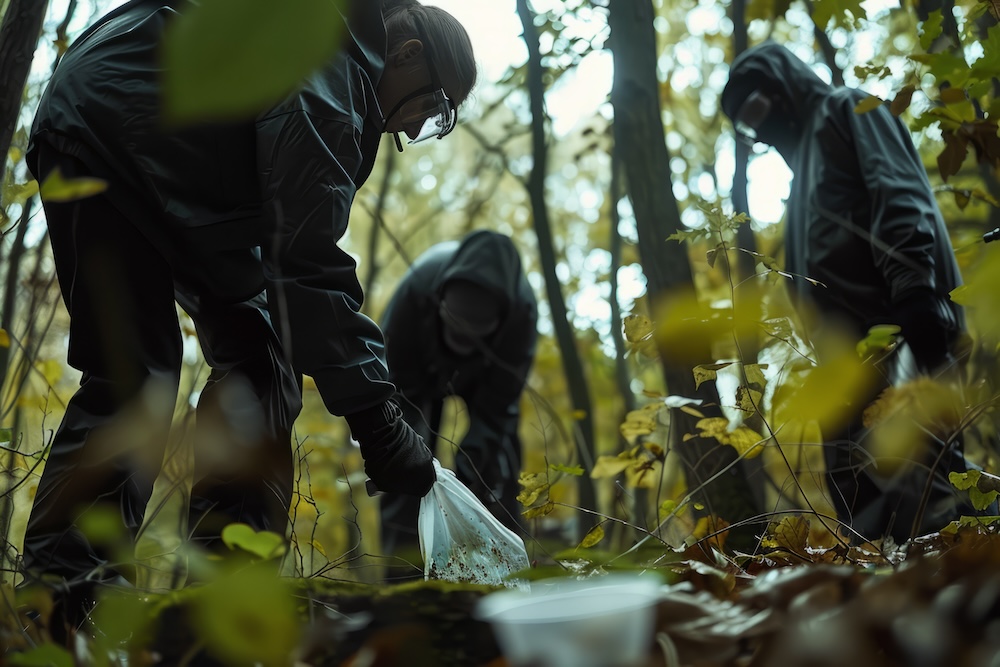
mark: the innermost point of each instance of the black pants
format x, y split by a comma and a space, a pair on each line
125, 339
877, 503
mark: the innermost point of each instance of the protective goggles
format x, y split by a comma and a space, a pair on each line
430, 106
751, 116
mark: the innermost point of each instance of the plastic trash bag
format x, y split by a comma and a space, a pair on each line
460, 540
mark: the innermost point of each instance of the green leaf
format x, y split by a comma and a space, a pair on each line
845, 13
931, 29
870, 103
56, 188
576, 471
18, 193
248, 617
880, 337
229, 59
983, 487
43, 655
945, 66
263, 544
988, 66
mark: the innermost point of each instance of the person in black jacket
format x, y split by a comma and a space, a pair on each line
862, 220
239, 222
462, 323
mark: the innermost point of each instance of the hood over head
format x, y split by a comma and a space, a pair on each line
791, 87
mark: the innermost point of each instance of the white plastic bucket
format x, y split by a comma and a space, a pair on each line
604, 621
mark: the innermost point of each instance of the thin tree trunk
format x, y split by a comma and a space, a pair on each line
638, 130
576, 379
622, 378
19, 33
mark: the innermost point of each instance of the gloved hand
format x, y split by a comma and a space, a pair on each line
396, 457
928, 326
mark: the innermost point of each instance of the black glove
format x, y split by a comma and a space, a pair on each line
928, 326
396, 457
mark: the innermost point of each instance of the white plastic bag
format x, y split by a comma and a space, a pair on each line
460, 540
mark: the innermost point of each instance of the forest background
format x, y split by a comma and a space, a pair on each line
673, 393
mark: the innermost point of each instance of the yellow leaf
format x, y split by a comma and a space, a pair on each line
643, 474
827, 394
792, 533
870, 103
593, 536
609, 466
535, 484
4, 338
318, 547
541, 510
666, 508
638, 331
20, 192
686, 327
56, 188
640, 422
749, 400
637, 328
51, 370
746, 441
903, 420
755, 373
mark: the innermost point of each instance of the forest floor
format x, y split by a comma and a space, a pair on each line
935, 603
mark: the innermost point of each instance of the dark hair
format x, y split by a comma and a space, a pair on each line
450, 45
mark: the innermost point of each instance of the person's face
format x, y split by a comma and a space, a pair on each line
468, 318
412, 96
767, 118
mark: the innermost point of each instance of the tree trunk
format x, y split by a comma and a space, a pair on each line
19, 33
638, 132
576, 379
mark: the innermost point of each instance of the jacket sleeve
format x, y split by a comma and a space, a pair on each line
494, 409
306, 164
905, 221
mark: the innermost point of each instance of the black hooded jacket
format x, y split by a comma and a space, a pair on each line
861, 217
238, 207
491, 381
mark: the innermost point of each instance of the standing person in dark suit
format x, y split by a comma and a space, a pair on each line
862, 220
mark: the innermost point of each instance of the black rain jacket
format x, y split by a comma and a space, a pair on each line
238, 207
861, 217
424, 369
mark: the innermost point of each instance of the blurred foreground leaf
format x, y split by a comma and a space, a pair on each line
229, 59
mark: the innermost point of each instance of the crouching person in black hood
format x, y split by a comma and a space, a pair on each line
462, 323
211, 215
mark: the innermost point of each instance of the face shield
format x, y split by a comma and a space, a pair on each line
751, 116
428, 109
